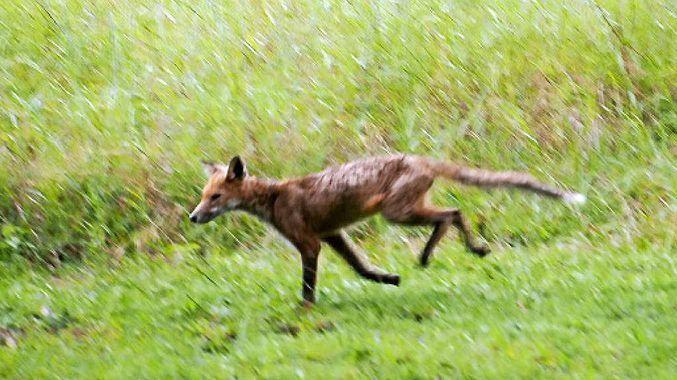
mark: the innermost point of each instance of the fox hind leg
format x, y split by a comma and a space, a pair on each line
462, 224
441, 220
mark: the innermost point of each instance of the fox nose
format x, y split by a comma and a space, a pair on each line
193, 218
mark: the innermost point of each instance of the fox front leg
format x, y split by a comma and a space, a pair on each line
310, 251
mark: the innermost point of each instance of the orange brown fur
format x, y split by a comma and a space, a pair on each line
316, 208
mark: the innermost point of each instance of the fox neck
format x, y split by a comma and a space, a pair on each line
258, 197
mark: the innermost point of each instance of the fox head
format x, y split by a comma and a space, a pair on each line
223, 191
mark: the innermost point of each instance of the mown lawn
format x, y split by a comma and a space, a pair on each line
569, 308
106, 109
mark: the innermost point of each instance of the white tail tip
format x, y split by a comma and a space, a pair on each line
574, 198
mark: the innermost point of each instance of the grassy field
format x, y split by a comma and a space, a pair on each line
106, 109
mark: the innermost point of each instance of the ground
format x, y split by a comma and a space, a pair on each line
569, 308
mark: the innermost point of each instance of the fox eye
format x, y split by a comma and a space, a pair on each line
215, 197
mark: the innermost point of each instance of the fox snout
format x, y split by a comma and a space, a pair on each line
201, 216
193, 218
197, 217
205, 213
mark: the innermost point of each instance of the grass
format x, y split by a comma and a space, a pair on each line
106, 110
576, 310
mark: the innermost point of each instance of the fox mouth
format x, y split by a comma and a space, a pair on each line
202, 218
206, 216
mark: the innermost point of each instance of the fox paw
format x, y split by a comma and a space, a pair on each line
481, 250
390, 279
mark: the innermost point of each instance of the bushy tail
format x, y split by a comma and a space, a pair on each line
488, 178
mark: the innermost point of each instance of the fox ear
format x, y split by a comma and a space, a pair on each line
236, 169
209, 167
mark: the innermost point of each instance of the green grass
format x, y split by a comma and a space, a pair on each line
107, 108
575, 310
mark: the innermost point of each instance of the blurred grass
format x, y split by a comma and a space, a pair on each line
107, 109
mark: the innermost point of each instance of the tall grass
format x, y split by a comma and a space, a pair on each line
107, 108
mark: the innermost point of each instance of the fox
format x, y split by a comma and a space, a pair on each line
316, 209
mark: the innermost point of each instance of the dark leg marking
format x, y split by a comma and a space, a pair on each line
341, 244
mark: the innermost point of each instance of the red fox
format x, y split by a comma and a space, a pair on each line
314, 209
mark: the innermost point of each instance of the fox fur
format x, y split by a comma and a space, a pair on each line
316, 208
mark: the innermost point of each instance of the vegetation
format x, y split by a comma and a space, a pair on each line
107, 108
